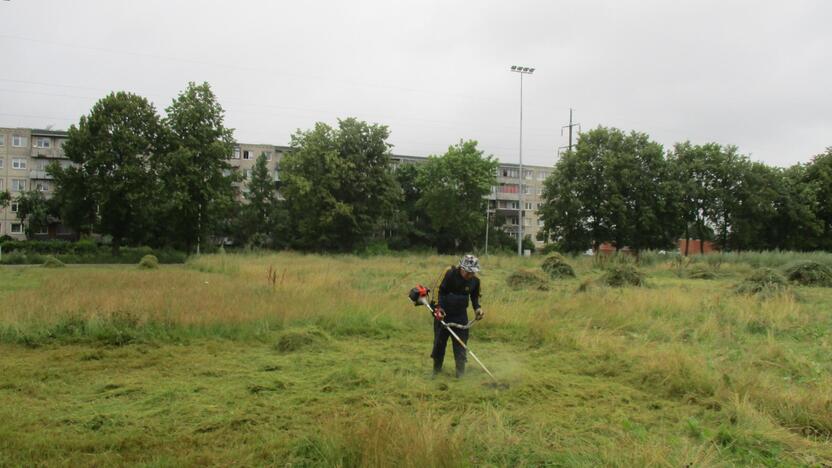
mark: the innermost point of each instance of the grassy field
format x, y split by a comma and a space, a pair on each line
212, 362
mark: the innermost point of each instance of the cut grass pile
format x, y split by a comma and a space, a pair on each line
764, 282
328, 365
700, 271
149, 262
52, 262
556, 266
527, 279
621, 275
809, 273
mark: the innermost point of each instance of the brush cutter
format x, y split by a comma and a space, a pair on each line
420, 295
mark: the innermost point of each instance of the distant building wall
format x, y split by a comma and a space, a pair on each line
695, 247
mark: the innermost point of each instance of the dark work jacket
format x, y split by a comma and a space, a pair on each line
454, 292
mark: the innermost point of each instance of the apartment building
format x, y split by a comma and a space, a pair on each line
25, 153
245, 155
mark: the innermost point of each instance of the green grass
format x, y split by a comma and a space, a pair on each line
214, 363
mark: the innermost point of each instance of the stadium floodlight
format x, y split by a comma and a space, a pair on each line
522, 71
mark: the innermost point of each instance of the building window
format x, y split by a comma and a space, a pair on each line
42, 186
14, 207
17, 228
236, 153
43, 230
542, 175
2, 140
529, 206
508, 188
268, 155
18, 141
18, 164
246, 154
247, 174
276, 174
43, 142
18, 185
1, 184
2, 162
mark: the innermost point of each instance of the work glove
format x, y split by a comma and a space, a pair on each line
438, 313
479, 314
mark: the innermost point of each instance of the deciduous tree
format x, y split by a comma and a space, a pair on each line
453, 188
338, 184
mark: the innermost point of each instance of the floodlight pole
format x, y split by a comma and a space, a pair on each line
522, 71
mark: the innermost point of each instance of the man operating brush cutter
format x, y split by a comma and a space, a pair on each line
456, 286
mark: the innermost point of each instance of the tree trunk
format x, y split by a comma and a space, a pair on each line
687, 238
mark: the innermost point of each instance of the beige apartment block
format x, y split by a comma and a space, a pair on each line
24, 155
245, 155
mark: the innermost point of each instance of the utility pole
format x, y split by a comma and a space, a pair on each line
522, 71
570, 127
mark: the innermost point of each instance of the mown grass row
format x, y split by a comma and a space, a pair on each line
757, 368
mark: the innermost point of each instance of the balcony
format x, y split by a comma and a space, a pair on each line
51, 152
39, 175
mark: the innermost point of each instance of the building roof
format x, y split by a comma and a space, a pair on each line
52, 133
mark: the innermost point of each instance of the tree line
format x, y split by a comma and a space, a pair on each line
625, 189
143, 179
166, 181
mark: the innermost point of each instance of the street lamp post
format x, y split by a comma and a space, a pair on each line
522, 71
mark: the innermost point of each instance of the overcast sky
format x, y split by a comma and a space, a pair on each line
756, 74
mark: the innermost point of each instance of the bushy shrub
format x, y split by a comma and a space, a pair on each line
763, 282
52, 262
84, 251
14, 257
374, 248
527, 279
557, 267
623, 274
809, 273
149, 262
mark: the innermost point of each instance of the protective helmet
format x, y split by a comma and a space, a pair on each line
470, 264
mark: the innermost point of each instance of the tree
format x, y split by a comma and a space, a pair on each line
338, 185
5, 198
453, 188
690, 170
818, 181
113, 183
36, 211
263, 216
410, 225
195, 173
613, 188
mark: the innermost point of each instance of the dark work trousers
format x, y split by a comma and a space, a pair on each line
440, 341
